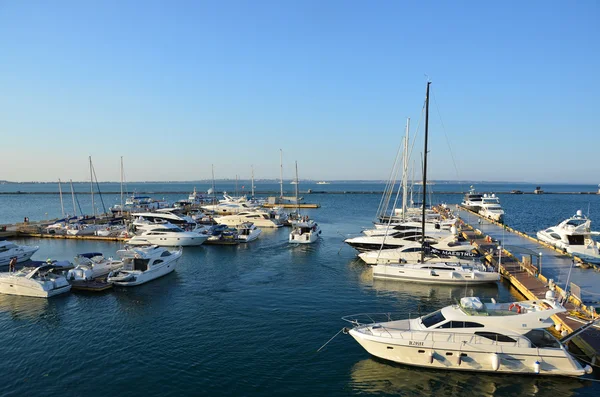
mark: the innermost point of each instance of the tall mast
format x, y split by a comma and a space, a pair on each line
405, 171
252, 181
73, 197
297, 203
62, 206
425, 173
213, 184
121, 185
236, 185
92, 188
281, 172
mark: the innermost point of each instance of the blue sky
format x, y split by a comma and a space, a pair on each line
177, 86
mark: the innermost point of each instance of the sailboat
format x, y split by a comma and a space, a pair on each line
434, 270
304, 229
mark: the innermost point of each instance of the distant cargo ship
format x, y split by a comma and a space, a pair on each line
322, 183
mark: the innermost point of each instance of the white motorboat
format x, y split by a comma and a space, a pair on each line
306, 231
229, 208
80, 229
247, 232
323, 183
491, 208
473, 336
168, 235
450, 248
145, 220
141, 265
140, 203
396, 240
259, 218
472, 200
573, 235
40, 282
92, 265
437, 271
390, 228
111, 230
10, 250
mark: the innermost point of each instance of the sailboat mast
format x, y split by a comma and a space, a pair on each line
297, 203
236, 186
92, 188
252, 180
425, 173
213, 184
73, 197
121, 185
281, 172
405, 171
62, 206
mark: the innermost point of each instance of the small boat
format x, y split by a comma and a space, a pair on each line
473, 336
516, 192
10, 250
305, 231
40, 282
323, 183
248, 232
92, 265
141, 265
223, 235
111, 231
538, 190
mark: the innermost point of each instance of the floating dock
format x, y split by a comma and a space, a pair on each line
531, 277
90, 286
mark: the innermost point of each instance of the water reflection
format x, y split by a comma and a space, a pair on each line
23, 307
377, 376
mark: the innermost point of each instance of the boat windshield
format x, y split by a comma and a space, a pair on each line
433, 319
576, 222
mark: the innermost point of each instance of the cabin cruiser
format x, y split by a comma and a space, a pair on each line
80, 229
144, 220
247, 232
491, 209
229, 208
451, 248
472, 200
573, 235
223, 235
259, 218
386, 229
473, 336
396, 239
305, 231
39, 281
168, 235
10, 250
92, 265
111, 231
141, 265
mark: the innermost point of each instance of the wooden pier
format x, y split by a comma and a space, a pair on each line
529, 282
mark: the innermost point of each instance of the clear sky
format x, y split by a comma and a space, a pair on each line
175, 86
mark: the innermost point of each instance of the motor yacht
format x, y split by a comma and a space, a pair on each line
573, 235
141, 265
10, 250
451, 248
168, 235
111, 231
229, 208
491, 208
223, 235
145, 220
472, 336
472, 200
81, 229
382, 229
92, 265
396, 239
40, 282
247, 232
259, 218
304, 231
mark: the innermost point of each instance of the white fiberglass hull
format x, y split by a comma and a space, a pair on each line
450, 355
304, 238
168, 241
138, 277
588, 253
22, 255
405, 273
27, 287
495, 216
246, 238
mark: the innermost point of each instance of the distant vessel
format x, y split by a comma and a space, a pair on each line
472, 201
323, 183
538, 190
293, 183
490, 208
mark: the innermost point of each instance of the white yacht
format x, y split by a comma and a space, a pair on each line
10, 250
382, 229
450, 247
92, 265
396, 239
141, 265
168, 235
473, 336
304, 232
472, 200
144, 220
38, 282
247, 232
437, 271
259, 218
229, 207
111, 230
491, 208
80, 229
323, 183
575, 236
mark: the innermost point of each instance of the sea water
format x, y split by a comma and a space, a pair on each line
247, 320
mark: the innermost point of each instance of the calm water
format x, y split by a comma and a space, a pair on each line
245, 320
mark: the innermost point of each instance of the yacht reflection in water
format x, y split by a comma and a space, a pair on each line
383, 377
24, 307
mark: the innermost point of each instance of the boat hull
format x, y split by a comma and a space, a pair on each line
10, 287
393, 272
449, 356
162, 241
144, 277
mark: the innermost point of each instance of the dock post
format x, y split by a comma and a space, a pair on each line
540, 263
